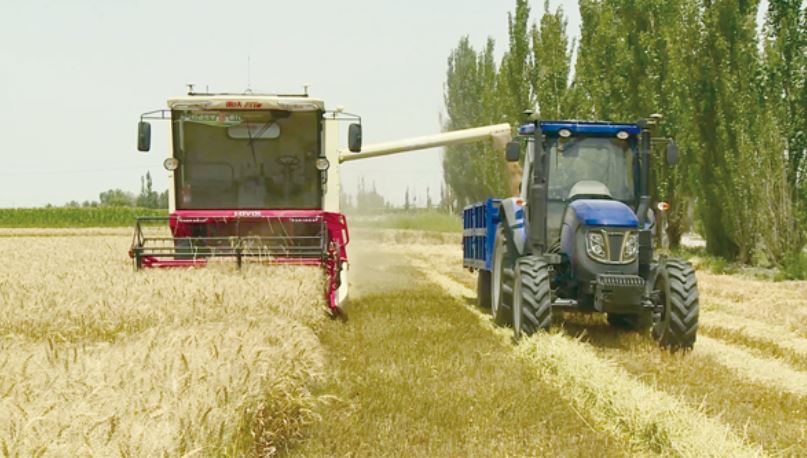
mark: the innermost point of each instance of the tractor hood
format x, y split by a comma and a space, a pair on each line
603, 212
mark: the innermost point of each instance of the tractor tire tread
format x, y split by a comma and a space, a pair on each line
536, 295
684, 307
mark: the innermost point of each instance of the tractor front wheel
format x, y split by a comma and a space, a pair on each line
532, 297
676, 325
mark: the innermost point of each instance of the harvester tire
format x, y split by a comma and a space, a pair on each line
676, 325
532, 306
483, 289
501, 292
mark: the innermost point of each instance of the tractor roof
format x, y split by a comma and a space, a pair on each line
246, 102
581, 127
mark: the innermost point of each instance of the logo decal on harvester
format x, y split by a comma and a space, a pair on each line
247, 213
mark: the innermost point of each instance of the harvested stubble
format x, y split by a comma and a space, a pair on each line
612, 399
779, 304
100, 360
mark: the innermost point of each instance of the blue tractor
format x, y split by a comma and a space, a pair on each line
580, 236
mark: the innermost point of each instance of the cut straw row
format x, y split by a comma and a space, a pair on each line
652, 420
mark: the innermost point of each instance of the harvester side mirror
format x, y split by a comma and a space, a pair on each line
143, 136
513, 152
672, 152
354, 138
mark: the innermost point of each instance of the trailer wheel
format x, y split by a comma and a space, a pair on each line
483, 289
676, 325
501, 291
532, 297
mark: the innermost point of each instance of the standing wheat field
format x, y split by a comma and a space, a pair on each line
97, 359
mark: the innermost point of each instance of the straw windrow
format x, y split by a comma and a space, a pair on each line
612, 399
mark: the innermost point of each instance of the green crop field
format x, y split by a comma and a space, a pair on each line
74, 216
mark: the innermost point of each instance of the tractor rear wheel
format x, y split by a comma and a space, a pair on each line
483, 289
532, 297
676, 325
501, 291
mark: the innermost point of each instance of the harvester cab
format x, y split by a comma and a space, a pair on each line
255, 177
580, 235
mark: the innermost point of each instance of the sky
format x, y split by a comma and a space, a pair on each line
76, 75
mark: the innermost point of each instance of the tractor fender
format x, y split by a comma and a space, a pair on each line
512, 220
653, 273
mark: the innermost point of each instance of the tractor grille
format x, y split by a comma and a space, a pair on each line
615, 240
620, 280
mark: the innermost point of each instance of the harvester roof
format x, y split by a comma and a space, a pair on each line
246, 102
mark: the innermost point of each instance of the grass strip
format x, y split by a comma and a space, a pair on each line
72, 217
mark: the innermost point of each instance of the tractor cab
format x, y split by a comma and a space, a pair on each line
586, 161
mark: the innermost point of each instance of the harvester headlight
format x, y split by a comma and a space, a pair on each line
171, 164
322, 164
565, 133
631, 247
595, 245
622, 135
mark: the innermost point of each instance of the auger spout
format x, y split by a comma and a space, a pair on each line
499, 135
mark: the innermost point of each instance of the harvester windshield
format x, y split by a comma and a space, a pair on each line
607, 160
250, 159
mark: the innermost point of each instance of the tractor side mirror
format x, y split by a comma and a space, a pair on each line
143, 136
354, 138
513, 152
672, 152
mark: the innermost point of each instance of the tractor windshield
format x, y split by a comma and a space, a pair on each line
247, 159
607, 160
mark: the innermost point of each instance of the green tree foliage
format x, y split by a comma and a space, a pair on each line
472, 172
696, 62
516, 67
737, 114
477, 93
148, 198
116, 198
551, 60
785, 70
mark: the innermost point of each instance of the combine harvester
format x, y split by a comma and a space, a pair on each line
580, 235
256, 177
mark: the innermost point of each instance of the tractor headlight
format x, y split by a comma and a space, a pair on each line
595, 246
631, 247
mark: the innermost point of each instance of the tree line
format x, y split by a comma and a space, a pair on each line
734, 98
147, 198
